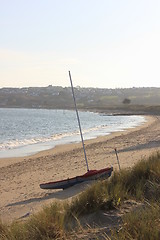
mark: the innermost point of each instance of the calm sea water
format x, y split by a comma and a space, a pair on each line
27, 131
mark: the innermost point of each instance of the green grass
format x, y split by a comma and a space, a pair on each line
141, 183
45, 225
142, 224
127, 184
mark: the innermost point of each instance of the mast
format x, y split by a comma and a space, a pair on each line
78, 121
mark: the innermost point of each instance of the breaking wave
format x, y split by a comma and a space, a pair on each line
25, 142
27, 131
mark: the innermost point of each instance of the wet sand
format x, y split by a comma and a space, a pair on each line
20, 177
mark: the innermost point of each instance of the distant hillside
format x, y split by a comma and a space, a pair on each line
59, 97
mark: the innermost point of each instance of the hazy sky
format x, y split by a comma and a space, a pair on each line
104, 43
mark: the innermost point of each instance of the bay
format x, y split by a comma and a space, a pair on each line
27, 131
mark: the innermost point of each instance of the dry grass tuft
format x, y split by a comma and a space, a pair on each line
141, 183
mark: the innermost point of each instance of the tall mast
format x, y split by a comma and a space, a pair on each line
78, 121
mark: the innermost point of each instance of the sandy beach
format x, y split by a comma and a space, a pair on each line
20, 177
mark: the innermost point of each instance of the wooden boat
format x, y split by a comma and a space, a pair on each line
89, 175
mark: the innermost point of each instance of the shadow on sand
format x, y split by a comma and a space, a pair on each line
60, 194
151, 144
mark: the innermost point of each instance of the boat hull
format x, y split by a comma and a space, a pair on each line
90, 175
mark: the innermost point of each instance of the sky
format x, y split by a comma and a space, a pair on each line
104, 43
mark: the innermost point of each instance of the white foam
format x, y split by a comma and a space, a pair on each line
39, 137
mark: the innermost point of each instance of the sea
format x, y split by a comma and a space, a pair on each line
24, 132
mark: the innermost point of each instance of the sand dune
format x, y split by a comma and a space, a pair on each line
20, 177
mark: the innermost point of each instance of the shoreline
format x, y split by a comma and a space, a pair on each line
32, 149
20, 177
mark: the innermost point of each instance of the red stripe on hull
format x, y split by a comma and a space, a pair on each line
90, 175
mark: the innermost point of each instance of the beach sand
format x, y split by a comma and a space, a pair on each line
20, 194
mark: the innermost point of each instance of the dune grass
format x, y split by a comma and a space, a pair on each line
142, 224
141, 183
47, 224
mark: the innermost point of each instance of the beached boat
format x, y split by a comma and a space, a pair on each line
89, 175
